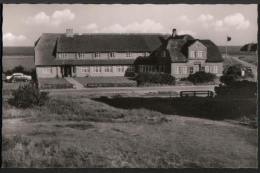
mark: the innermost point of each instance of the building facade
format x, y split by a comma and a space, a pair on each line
181, 56
73, 55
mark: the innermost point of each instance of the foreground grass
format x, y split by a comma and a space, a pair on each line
79, 132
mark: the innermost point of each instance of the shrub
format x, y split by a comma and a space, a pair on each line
155, 78
237, 89
27, 96
232, 74
201, 77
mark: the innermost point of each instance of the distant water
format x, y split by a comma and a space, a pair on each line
9, 62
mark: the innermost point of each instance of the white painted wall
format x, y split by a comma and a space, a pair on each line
48, 72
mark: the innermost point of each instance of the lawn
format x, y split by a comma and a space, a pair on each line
54, 83
75, 131
106, 81
9, 87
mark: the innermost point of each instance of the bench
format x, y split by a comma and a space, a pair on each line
196, 94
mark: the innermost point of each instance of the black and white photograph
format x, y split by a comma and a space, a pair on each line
129, 86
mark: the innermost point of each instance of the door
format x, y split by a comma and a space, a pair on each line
66, 71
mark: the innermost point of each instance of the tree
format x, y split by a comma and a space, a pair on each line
232, 74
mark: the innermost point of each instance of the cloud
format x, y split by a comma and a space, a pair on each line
184, 19
234, 21
219, 25
237, 20
92, 27
39, 18
205, 17
147, 26
192, 33
62, 16
206, 20
57, 18
9, 38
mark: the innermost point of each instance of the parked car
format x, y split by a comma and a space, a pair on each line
15, 77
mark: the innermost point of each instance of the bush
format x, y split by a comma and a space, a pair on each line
232, 74
237, 89
201, 77
155, 78
27, 96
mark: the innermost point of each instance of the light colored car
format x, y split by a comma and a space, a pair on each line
18, 77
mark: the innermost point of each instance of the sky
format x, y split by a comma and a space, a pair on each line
24, 23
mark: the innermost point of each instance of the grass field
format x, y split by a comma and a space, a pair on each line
252, 59
75, 131
9, 62
54, 83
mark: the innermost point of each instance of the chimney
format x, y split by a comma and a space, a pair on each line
69, 32
174, 32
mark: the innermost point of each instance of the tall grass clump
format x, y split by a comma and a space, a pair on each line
28, 95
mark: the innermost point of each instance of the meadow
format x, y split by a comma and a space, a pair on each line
76, 131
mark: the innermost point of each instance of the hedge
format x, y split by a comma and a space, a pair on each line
154, 78
237, 89
201, 77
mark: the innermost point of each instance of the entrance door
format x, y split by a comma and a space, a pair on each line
67, 71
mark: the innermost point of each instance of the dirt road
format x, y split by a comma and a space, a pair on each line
131, 90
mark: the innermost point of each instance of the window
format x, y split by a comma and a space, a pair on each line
182, 70
96, 55
207, 69
146, 54
192, 54
111, 69
85, 69
202, 68
120, 69
191, 70
161, 68
131, 68
215, 69
199, 54
47, 70
211, 69
107, 69
97, 69
142, 68
111, 54
163, 54
128, 54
